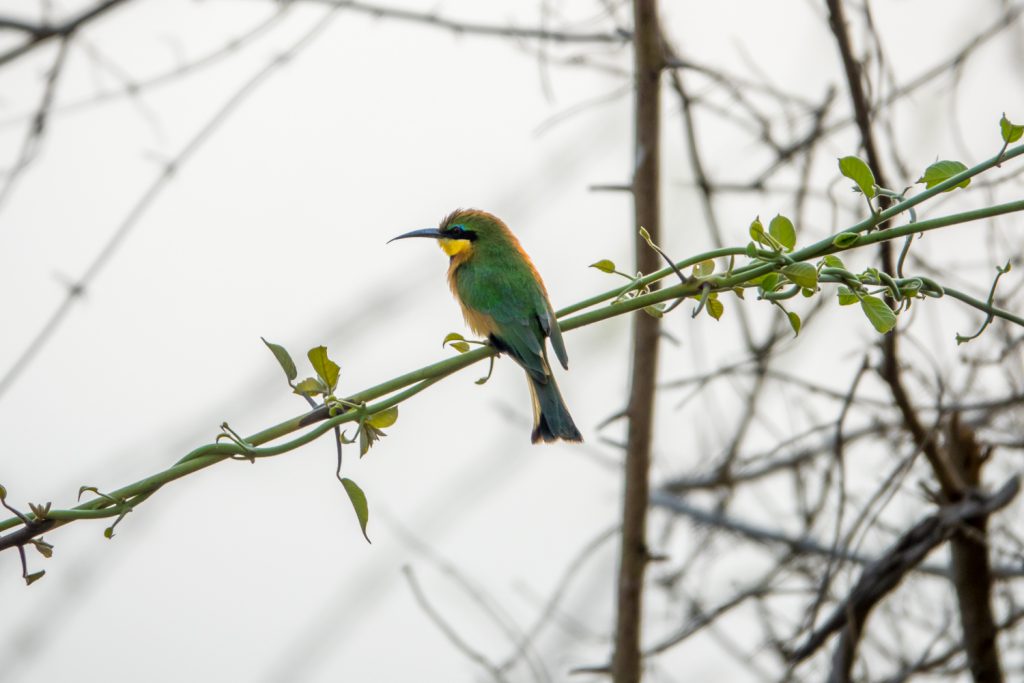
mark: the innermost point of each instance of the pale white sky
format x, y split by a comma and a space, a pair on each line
276, 227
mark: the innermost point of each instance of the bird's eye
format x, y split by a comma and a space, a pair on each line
457, 231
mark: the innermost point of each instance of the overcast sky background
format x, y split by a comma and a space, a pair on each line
276, 227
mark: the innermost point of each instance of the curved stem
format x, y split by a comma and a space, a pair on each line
411, 383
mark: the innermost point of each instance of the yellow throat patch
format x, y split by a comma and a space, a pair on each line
453, 247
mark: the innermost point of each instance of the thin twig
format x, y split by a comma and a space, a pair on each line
883, 575
138, 210
42, 34
37, 127
454, 638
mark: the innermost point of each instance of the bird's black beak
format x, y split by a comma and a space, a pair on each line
426, 232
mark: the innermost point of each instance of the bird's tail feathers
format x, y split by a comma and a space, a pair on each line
551, 419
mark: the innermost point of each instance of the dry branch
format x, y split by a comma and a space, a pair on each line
880, 577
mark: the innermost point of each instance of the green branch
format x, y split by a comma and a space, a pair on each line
825, 246
403, 387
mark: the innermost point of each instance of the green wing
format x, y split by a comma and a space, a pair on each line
549, 324
522, 315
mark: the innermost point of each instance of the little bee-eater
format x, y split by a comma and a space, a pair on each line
504, 299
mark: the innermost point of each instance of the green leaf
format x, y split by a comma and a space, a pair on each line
738, 291
715, 308
794, 322
781, 228
108, 532
32, 578
3, 492
911, 289
833, 261
878, 312
364, 440
384, 418
358, 499
325, 368
807, 293
802, 274
757, 231
1011, 132
859, 172
846, 296
283, 359
941, 171
456, 341
770, 282
704, 268
451, 337
751, 250
654, 310
604, 265
44, 548
310, 387
368, 435
845, 240
647, 236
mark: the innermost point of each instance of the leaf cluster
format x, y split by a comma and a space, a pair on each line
369, 429
780, 274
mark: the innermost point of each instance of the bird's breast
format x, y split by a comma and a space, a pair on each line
480, 322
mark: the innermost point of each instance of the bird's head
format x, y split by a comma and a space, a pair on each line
465, 231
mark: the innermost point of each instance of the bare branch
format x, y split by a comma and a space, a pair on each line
474, 28
134, 217
37, 127
41, 34
883, 575
800, 545
454, 638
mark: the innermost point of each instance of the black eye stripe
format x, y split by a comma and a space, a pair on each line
459, 232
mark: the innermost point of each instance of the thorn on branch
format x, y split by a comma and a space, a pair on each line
705, 293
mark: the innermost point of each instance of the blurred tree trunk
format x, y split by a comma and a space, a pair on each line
648, 61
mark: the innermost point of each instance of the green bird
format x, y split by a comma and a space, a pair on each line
504, 299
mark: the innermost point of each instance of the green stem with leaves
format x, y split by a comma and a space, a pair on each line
400, 388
